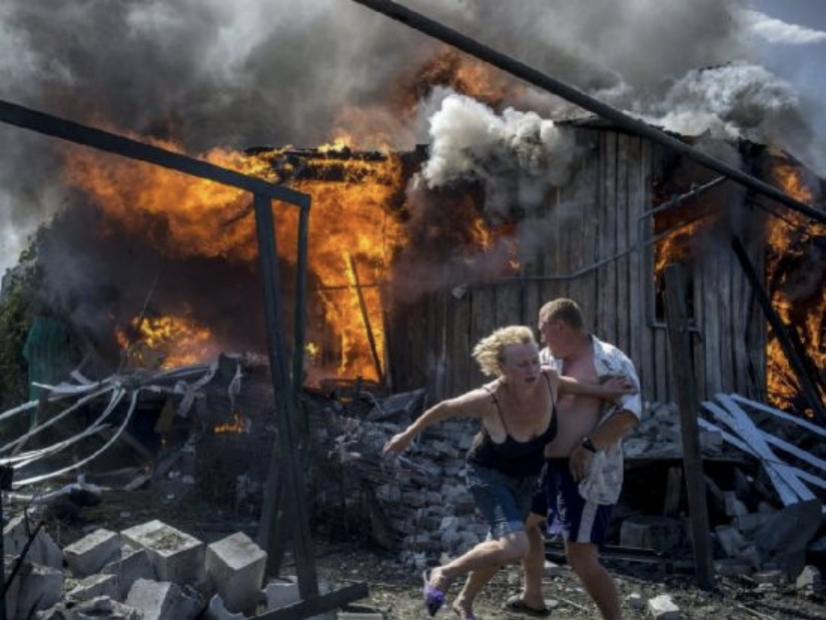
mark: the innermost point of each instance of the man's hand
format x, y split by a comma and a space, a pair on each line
397, 444
579, 463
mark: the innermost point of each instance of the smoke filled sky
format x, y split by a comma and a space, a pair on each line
214, 73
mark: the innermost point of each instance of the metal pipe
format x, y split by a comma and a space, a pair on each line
423, 24
300, 301
56, 127
288, 442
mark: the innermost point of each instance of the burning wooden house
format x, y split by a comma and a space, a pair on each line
402, 286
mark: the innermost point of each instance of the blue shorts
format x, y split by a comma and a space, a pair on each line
569, 515
504, 501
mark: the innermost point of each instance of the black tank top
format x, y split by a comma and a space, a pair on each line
511, 457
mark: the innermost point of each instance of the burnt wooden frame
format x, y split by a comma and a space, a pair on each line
287, 456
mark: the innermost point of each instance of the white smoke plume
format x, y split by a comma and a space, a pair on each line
518, 156
777, 31
738, 100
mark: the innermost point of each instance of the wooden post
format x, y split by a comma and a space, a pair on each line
366, 319
684, 382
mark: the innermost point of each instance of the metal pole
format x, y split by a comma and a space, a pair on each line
788, 338
681, 363
112, 143
423, 24
293, 477
300, 299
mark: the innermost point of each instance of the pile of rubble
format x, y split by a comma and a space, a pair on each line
659, 435
417, 502
148, 572
420, 500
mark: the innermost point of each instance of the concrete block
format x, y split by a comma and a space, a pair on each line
360, 615
733, 506
809, 579
730, 539
280, 593
218, 611
162, 600
648, 532
176, 556
635, 601
91, 553
663, 608
235, 566
43, 550
773, 577
96, 586
103, 607
551, 570
41, 587
732, 567
131, 566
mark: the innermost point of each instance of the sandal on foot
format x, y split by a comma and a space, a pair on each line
434, 598
515, 603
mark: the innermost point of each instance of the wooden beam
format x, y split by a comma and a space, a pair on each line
681, 362
787, 337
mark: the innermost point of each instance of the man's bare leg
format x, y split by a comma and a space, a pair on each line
533, 564
584, 560
478, 579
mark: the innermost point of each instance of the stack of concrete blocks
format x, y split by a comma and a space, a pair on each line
427, 505
39, 581
149, 572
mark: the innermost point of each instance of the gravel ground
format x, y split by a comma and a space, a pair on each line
397, 592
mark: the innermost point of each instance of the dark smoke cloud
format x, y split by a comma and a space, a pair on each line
211, 72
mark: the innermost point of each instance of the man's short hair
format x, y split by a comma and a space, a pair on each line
562, 309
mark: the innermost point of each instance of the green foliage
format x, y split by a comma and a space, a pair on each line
17, 307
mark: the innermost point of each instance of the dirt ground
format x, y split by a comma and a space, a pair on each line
398, 593
395, 590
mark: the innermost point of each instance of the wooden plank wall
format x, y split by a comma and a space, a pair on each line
596, 217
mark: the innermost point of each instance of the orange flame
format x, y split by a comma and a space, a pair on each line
239, 424
788, 241
463, 74
189, 217
167, 341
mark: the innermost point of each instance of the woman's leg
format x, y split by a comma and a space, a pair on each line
476, 580
511, 547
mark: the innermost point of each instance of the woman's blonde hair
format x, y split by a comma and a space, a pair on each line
490, 351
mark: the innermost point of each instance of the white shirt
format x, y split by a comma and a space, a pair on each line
603, 483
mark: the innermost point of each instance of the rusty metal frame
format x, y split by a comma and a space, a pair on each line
287, 456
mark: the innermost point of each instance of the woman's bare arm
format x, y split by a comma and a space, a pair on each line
471, 404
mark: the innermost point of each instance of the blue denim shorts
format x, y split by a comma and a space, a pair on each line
504, 501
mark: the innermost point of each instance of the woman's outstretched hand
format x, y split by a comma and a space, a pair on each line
618, 386
397, 444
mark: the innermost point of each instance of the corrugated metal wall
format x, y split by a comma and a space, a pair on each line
600, 215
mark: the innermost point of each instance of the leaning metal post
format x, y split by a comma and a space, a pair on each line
434, 29
264, 193
287, 432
